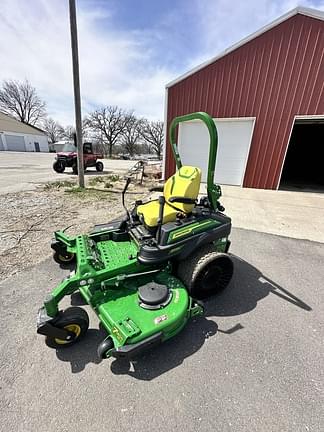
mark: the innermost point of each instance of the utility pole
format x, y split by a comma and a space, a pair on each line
76, 85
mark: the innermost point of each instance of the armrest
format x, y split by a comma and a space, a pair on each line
182, 200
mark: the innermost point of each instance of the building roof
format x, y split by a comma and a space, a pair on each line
9, 124
313, 13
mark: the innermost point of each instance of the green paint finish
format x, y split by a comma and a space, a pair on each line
126, 321
220, 245
117, 254
96, 263
192, 229
172, 186
213, 191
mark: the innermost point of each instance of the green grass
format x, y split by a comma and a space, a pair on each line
58, 184
113, 178
93, 181
90, 194
107, 181
94, 192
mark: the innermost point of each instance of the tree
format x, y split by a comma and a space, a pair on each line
68, 133
108, 124
152, 133
53, 129
131, 136
20, 100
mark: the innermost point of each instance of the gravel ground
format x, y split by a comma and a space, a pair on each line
28, 219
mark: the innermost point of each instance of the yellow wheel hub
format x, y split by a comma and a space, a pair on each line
74, 328
66, 258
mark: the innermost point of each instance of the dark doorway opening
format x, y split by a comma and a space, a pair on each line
303, 166
37, 148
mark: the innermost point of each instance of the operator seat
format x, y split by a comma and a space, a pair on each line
184, 183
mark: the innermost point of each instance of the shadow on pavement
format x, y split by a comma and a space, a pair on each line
247, 287
84, 352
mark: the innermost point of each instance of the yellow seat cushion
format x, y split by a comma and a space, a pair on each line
150, 213
184, 183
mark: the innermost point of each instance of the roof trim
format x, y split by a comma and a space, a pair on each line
313, 13
35, 127
27, 124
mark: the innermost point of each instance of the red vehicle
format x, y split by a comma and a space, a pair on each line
68, 158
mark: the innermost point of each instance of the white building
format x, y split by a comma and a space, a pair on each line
20, 137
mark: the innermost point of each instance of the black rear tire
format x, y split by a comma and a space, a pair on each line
99, 166
206, 272
75, 168
59, 166
104, 346
74, 319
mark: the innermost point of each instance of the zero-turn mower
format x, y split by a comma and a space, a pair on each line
145, 274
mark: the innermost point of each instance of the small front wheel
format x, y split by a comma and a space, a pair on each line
99, 166
104, 346
76, 321
63, 257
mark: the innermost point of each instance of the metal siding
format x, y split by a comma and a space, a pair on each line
15, 143
273, 77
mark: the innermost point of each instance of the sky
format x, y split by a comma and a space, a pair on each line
129, 49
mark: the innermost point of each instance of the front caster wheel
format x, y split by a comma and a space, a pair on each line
64, 257
104, 346
76, 321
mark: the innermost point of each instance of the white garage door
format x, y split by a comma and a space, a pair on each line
15, 143
234, 140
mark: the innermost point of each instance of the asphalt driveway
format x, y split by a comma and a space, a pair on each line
253, 363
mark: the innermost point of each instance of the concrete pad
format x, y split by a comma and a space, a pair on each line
291, 214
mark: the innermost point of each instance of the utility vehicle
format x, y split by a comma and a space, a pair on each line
67, 158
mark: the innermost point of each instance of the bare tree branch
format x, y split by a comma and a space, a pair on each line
131, 136
20, 100
68, 132
152, 133
53, 129
108, 124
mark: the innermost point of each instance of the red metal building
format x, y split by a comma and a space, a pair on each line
275, 76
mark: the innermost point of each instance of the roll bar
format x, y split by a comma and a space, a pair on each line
213, 191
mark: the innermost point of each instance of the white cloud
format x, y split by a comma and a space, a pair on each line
115, 67
223, 23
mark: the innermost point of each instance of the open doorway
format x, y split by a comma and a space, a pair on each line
303, 166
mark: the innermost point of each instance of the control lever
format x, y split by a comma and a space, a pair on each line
129, 216
160, 220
